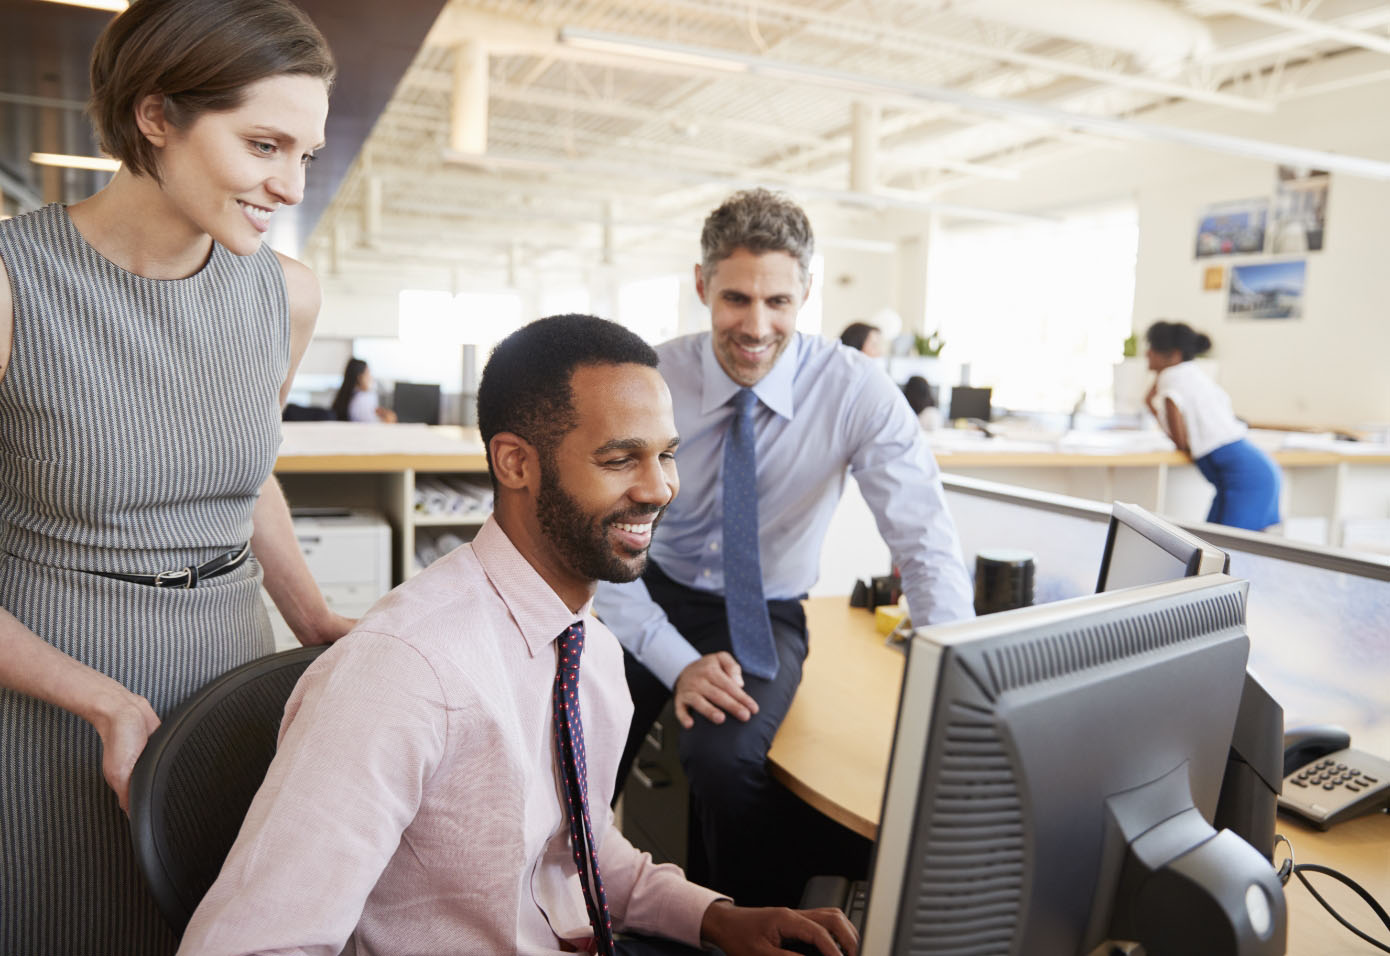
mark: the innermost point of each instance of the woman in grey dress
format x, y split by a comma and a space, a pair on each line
147, 340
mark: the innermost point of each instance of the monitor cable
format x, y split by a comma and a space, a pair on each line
1289, 868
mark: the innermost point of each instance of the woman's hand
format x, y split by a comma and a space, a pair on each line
124, 725
328, 628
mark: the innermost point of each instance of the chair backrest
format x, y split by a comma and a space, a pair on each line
193, 784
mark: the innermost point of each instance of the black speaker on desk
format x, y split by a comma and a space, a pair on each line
1003, 580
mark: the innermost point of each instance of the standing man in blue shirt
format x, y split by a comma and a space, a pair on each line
771, 421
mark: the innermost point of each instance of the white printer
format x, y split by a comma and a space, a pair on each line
348, 551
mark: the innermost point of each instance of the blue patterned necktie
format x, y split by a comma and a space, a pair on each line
750, 632
569, 748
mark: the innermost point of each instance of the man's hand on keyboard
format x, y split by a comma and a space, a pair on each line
775, 931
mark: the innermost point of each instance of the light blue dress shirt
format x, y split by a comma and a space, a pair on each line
824, 411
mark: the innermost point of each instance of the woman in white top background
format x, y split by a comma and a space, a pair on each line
1196, 414
356, 400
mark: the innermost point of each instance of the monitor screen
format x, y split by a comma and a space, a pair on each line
416, 403
1053, 772
967, 402
1142, 548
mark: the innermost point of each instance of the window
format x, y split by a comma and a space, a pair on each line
811, 318
650, 307
1038, 311
434, 327
567, 300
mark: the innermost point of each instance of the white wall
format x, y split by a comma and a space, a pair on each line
857, 284
1330, 366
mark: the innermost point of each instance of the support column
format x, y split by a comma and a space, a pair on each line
371, 210
468, 126
863, 156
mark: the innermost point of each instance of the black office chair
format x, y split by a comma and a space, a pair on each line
192, 786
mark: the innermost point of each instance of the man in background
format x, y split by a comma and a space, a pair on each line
771, 423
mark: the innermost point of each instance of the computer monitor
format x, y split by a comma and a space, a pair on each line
416, 403
967, 402
1053, 771
1142, 548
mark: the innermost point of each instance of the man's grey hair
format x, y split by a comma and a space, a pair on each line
760, 221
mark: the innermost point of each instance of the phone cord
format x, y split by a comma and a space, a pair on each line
1289, 868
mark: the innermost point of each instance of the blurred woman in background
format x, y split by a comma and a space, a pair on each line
1196, 414
864, 337
356, 400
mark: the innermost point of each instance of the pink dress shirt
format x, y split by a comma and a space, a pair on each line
414, 805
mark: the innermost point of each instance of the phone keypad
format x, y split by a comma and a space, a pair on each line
1330, 774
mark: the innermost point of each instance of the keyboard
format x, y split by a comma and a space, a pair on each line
850, 897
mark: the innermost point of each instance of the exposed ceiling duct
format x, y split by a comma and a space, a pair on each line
1157, 36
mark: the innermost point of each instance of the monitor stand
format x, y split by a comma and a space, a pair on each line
1177, 886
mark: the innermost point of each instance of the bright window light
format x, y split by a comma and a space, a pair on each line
1040, 312
395, 360
811, 319
572, 300
487, 318
429, 318
651, 307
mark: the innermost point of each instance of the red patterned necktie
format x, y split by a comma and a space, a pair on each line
569, 747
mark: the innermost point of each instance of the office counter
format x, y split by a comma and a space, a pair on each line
1324, 480
833, 749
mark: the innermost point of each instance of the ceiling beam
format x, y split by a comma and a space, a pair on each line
1052, 116
911, 42
1300, 23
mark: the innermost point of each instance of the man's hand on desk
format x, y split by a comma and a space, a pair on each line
760, 931
711, 686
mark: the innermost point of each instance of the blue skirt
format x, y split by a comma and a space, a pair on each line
1247, 486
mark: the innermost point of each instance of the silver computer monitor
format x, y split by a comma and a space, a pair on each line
1054, 769
1142, 548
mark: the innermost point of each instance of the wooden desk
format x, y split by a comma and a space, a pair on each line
833, 748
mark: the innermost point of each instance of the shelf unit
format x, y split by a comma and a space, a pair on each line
384, 481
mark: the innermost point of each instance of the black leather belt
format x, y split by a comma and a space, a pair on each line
190, 576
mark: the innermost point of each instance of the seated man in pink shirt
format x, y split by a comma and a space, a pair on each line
433, 792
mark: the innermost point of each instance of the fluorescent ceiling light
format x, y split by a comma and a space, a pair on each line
996, 106
75, 162
115, 6
650, 49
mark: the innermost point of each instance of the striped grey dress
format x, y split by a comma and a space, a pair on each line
138, 419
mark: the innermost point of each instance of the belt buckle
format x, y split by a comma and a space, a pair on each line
167, 579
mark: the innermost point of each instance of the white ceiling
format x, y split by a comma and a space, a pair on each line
611, 155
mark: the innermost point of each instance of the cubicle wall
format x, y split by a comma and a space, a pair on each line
1319, 618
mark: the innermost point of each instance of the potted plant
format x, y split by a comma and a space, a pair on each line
929, 345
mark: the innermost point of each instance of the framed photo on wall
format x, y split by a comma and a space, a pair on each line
1300, 210
1267, 290
1232, 228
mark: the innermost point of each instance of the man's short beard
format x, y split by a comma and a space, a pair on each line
581, 539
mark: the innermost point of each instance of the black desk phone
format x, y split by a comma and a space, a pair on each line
1326, 782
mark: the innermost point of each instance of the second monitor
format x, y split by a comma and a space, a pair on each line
970, 403
1142, 548
414, 402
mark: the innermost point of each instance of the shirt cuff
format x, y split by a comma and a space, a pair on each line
667, 654
687, 913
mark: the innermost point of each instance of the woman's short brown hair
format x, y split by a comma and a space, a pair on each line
200, 55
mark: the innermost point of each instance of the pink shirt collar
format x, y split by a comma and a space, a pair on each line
540, 614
